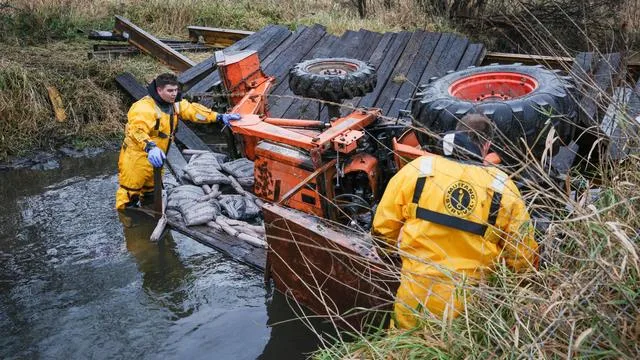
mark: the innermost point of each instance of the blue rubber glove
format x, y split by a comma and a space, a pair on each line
228, 118
156, 156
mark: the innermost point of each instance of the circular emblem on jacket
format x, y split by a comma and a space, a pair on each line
460, 199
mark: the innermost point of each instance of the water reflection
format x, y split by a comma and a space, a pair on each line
76, 283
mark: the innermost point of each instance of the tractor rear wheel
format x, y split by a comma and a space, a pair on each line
332, 79
525, 103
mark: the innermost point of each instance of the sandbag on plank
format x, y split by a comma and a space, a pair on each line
246, 182
240, 168
206, 160
209, 176
183, 194
238, 207
198, 213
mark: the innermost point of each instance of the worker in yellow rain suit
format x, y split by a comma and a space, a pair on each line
152, 122
451, 220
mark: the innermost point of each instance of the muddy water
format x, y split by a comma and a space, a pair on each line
75, 283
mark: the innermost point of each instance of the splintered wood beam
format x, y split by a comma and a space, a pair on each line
152, 45
216, 37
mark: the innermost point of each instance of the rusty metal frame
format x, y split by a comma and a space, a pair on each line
152, 45
216, 37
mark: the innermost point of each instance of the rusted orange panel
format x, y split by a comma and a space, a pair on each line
368, 164
333, 271
357, 120
279, 169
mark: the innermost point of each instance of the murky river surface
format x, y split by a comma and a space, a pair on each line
75, 284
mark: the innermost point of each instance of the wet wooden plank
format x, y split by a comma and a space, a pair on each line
198, 72
188, 138
445, 57
604, 79
129, 84
376, 58
231, 246
400, 71
176, 162
408, 87
386, 68
473, 56
217, 37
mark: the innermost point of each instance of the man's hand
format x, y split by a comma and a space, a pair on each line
156, 157
228, 118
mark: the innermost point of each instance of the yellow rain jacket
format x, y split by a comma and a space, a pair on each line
451, 221
148, 123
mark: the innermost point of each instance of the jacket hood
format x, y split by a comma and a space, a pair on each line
152, 89
458, 145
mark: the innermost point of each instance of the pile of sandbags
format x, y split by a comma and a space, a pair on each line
214, 188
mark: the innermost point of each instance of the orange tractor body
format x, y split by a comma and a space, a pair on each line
298, 162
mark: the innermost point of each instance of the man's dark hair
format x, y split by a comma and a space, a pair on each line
478, 127
166, 79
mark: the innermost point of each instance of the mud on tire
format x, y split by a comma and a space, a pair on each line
332, 79
519, 99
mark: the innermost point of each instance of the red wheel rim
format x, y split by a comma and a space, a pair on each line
493, 86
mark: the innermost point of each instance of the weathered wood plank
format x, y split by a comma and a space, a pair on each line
216, 36
199, 71
188, 138
176, 162
386, 68
604, 79
129, 84
408, 87
236, 249
388, 95
473, 56
152, 45
445, 57
376, 58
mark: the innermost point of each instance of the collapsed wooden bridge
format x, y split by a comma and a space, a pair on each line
403, 61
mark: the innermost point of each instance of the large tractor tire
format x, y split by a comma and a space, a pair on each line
332, 79
525, 102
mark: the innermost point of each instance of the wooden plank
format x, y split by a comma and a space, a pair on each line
236, 249
286, 59
445, 57
207, 66
216, 37
408, 87
473, 56
152, 45
129, 84
388, 95
386, 68
176, 162
188, 138
376, 58
605, 77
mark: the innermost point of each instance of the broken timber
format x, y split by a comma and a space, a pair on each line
403, 60
216, 37
151, 45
